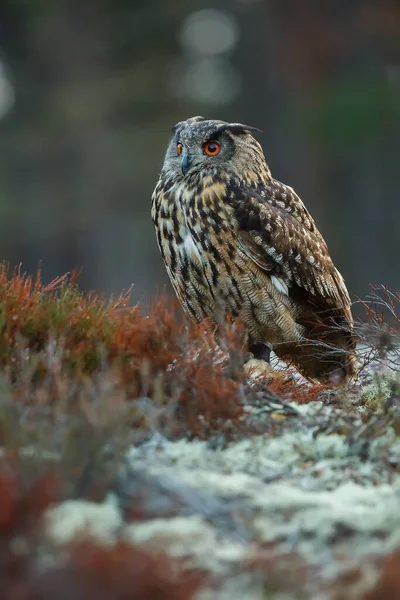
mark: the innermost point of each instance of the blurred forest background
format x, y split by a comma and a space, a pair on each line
89, 92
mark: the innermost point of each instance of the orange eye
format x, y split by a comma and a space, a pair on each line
179, 148
212, 148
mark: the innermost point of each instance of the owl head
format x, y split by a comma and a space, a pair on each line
203, 147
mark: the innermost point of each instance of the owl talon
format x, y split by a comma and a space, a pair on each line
261, 351
258, 368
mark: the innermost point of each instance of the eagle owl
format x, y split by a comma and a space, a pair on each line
237, 241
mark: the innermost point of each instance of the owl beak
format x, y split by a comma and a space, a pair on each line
185, 161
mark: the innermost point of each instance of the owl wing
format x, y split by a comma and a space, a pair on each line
279, 235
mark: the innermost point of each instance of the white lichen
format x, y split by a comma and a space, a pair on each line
79, 517
184, 537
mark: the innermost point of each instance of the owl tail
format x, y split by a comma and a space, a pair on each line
326, 353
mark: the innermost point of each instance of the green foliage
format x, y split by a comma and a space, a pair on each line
347, 115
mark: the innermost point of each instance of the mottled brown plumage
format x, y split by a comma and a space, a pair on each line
235, 240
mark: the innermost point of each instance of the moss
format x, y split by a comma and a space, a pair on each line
384, 386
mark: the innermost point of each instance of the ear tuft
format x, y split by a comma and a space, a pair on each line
237, 128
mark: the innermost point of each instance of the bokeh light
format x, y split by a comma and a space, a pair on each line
204, 72
209, 32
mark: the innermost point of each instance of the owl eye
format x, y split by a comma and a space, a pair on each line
212, 148
179, 148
